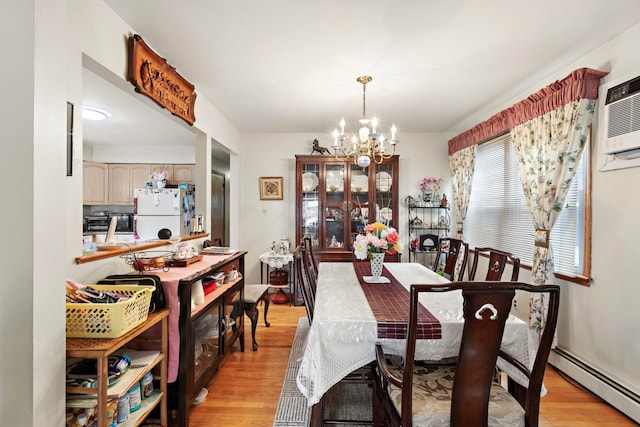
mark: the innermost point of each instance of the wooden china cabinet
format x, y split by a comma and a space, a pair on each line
336, 199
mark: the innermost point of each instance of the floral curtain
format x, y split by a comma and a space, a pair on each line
548, 149
462, 164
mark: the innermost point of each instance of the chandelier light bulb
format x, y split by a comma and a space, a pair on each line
364, 134
374, 125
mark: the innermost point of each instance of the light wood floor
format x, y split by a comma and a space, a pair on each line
247, 389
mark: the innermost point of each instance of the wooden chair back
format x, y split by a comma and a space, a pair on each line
449, 252
303, 281
486, 308
497, 261
308, 245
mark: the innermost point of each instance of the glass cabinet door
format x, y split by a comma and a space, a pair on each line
334, 211
206, 341
233, 315
310, 202
360, 206
384, 195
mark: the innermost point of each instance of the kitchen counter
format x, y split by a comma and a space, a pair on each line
135, 247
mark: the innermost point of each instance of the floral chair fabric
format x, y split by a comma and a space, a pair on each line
548, 149
432, 390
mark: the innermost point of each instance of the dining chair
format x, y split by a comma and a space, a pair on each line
309, 248
310, 269
303, 281
363, 375
497, 261
466, 394
447, 258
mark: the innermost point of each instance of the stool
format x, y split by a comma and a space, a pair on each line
253, 294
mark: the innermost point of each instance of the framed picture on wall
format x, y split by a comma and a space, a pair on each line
271, 188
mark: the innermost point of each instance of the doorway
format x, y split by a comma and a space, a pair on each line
218, 229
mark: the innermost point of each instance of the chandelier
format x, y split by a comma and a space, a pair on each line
368, 145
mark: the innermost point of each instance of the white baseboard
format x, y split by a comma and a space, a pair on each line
618, 396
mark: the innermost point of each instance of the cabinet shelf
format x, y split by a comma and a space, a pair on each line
427, 215
413, 227
100, 349
146, 406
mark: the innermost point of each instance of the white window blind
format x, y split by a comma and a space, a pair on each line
498, 216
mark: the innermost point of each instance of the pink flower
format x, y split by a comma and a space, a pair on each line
379, 239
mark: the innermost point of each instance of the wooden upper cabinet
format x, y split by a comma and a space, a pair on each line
183, 173
95, 181
113, 183
123, 179
140, 174
177, 173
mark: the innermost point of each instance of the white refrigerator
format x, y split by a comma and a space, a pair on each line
155, 209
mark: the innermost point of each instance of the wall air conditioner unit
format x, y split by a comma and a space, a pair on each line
620, 146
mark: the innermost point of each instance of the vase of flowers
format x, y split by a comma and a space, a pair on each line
378, 241
160, 178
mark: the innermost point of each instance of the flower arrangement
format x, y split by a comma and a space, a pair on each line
160, 176
430, 184
379, 239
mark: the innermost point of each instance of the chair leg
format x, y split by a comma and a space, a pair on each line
317, 414
251, 311
265, 299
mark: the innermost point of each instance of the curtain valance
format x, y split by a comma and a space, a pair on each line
582, 83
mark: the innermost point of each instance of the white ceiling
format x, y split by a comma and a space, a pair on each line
290, 65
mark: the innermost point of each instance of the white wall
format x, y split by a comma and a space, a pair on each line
599, 324
264, 221
45, 205
33, 163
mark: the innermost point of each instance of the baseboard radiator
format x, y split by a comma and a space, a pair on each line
617, 395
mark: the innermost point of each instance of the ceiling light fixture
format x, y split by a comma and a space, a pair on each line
368, 145
92, 113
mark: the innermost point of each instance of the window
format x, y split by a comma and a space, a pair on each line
498, 216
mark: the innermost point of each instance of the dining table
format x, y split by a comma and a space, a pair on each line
352, 315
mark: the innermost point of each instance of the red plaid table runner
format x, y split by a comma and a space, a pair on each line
389, 303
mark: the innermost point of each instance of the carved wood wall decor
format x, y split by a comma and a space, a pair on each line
154, 77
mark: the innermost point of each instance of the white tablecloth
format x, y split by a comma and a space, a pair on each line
343, 334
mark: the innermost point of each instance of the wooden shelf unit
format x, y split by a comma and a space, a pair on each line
101, 348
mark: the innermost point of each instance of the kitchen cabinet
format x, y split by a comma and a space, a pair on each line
184, 173
95, 183
177, 172
101, 348
336, 199
123, 179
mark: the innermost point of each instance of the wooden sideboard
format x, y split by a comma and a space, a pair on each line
207, 331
